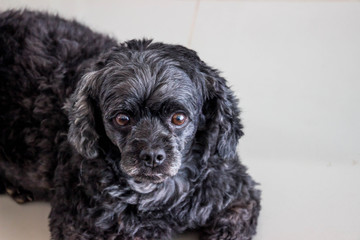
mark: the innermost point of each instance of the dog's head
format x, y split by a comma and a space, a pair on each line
154, 102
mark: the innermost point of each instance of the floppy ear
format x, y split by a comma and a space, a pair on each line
82, 133
221, 114
222, 128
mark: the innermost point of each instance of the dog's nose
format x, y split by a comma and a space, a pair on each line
152, 157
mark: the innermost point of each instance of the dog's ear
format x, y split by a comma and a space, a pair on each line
221, 123
221, 114
80, 108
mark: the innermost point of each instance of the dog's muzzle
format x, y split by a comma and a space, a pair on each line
151, 153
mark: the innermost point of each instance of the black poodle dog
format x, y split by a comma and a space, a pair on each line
127, 141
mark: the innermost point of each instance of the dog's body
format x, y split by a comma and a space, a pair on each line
129, 141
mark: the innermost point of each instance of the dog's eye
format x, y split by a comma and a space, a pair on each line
178, 119
122, 119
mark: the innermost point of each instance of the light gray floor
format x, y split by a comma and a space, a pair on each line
295, 66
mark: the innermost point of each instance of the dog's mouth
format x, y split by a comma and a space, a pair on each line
151, 178
136, 170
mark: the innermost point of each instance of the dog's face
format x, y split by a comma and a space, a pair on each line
150, 112
156, 102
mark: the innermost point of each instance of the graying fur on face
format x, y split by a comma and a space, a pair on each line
149, 89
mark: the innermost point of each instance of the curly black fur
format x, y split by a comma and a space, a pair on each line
63, 85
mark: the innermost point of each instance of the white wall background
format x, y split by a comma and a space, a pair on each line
294, 65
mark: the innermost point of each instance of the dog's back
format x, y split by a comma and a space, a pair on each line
41, 59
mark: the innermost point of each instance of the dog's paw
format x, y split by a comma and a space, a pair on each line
19, 195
